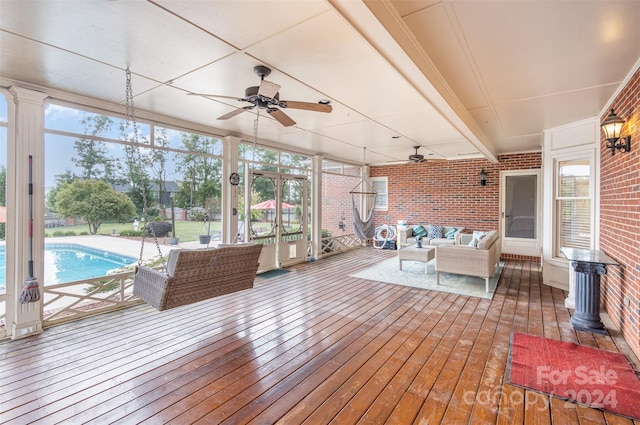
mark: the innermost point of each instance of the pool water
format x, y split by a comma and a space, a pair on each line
71, 262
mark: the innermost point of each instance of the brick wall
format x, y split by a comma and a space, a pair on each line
620, 218
448, 192
336, 202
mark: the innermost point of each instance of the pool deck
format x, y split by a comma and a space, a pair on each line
124, 246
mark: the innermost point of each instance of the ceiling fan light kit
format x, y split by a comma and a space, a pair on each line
266, 96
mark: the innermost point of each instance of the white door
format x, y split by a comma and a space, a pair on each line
520, 212
278, 211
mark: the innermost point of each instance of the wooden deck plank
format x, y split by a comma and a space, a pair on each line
315, 382
254, 339
338, 375
314, 345
103, 375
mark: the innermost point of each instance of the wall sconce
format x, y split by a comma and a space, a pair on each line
341, 225
483, 178
612, 126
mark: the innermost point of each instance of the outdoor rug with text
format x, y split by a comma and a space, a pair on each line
596, 378
413, 275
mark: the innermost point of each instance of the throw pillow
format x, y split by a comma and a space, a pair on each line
479, 235
435, 232
451, 233
419, 231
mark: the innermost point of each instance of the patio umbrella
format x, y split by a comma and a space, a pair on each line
270, 204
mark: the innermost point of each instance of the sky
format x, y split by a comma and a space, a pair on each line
59, 149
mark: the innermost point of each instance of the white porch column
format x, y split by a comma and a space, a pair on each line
28, 139
230, 214
316, 206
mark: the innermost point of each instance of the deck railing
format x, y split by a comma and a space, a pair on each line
337, 244
64, 302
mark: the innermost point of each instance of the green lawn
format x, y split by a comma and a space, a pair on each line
186, 231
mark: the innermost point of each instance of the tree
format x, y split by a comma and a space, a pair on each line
60, 180
202, 173
95, 202
92, 154
158, 162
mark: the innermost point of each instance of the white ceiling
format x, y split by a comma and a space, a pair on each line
461, 78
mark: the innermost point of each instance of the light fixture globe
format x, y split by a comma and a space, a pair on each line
612, 126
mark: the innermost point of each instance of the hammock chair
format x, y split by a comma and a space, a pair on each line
188, 275
364, 229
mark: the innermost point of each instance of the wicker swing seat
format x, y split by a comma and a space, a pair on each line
194, 275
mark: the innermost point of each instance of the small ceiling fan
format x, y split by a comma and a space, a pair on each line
416, 157
266, 96
419, 158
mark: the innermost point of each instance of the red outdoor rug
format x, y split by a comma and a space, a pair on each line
584, 375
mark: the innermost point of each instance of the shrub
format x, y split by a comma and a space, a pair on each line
153, 213
132, 233
58, 233
197, 215
160, 228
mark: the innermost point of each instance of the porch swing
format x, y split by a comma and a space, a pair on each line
188, 275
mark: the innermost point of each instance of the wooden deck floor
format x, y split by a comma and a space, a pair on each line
310, 346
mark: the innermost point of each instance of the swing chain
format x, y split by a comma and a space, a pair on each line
130, 119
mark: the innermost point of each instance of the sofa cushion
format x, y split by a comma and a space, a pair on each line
419, 231
434, 232
172, 259
442, 241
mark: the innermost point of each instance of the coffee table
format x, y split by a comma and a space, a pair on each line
412, 253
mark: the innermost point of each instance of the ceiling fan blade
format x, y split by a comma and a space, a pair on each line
281, 117
218, 96
307, 106
234, 113
268, 89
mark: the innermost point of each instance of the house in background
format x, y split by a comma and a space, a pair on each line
514, 89
160, 195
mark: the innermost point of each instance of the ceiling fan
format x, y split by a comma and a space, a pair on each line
266, 96
418, 158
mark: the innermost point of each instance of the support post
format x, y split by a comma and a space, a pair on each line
25, 319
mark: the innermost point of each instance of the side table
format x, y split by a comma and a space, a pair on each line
588, 265
413, 253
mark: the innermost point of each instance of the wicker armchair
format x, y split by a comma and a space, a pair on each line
194, 275
477, 261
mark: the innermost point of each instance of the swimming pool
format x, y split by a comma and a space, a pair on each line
70, 262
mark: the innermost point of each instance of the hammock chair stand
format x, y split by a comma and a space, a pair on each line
190, 275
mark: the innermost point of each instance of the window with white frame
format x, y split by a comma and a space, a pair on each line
379, 185
574, 205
